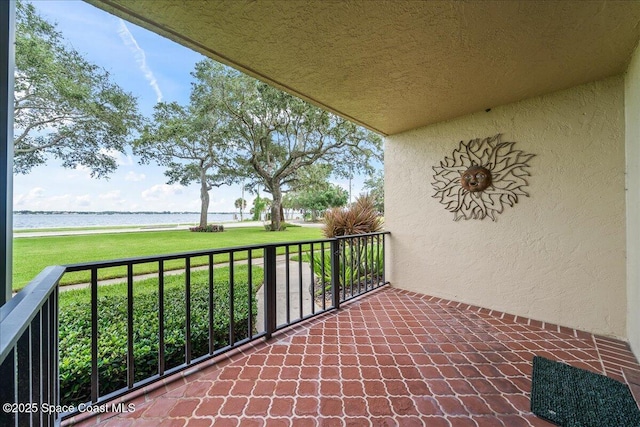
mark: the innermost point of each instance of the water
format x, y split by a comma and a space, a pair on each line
23, 221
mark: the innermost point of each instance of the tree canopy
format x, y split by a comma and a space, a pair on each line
274, 135
64, 106
190, 145
312, 192
374, 185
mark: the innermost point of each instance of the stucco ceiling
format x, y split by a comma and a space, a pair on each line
393, 66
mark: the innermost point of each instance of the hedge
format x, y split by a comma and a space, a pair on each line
75, 328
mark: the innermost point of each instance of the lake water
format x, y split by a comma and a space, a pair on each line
29, 221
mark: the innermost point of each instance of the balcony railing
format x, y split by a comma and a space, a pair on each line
29, 353
195, 306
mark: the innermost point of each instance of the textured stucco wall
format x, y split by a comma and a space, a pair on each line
557, 256
632, 125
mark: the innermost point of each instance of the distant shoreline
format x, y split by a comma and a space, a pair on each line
28, 212
65, 219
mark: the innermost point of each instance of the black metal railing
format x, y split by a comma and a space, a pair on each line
29, 353
167, 313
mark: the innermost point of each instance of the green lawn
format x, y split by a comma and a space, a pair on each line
32, 254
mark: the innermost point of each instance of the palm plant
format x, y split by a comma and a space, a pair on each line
240, 204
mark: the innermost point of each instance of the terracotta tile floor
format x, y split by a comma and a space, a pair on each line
392, 358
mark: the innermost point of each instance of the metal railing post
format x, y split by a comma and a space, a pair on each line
270, 290
7, 50
335, 272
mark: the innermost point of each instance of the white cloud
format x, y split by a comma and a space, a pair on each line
111, 200
120, 158
79, 171
161, 192
36, 199
135, 177
140, 56
111, 195
26, 200
83, 201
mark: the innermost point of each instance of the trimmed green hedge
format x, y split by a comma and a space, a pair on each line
75, 328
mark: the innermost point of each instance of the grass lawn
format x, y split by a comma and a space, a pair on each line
32, 254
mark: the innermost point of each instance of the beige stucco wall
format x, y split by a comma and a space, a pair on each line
557, 256
632, 125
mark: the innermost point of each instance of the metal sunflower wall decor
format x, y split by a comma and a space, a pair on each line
481, 178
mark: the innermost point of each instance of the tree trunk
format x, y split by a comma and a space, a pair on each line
276, 208
204, 201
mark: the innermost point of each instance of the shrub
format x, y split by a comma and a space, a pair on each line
208, 229
283, 226
362, 217
359, 265
75, 328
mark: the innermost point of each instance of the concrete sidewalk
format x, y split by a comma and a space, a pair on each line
295, 296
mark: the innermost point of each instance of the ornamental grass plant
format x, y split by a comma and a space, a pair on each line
361, 261
360, 218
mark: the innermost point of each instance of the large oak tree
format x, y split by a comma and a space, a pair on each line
190, 145
274, 134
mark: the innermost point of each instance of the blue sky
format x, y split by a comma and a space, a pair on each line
150, 67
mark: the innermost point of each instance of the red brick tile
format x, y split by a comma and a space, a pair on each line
430, 372
475, 405
355, 407
160, 407
220, 388
330, 388
331, 422
264, 388
393, 358
330, 406
184, 408
173, 422
258, 406
461, 386
403, 405
230, 373
209, 406
242, 388
461, 422
436, 422
379, 406
285, 388
452, 406
290, 372
305, 422
306, 406
504, 385
350, 372
310, 372
281, 407
234, 405
396, 387
440, 387
374, 388
371, 372
513, 421
504, 404
352, 388
484, 421
308, 387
